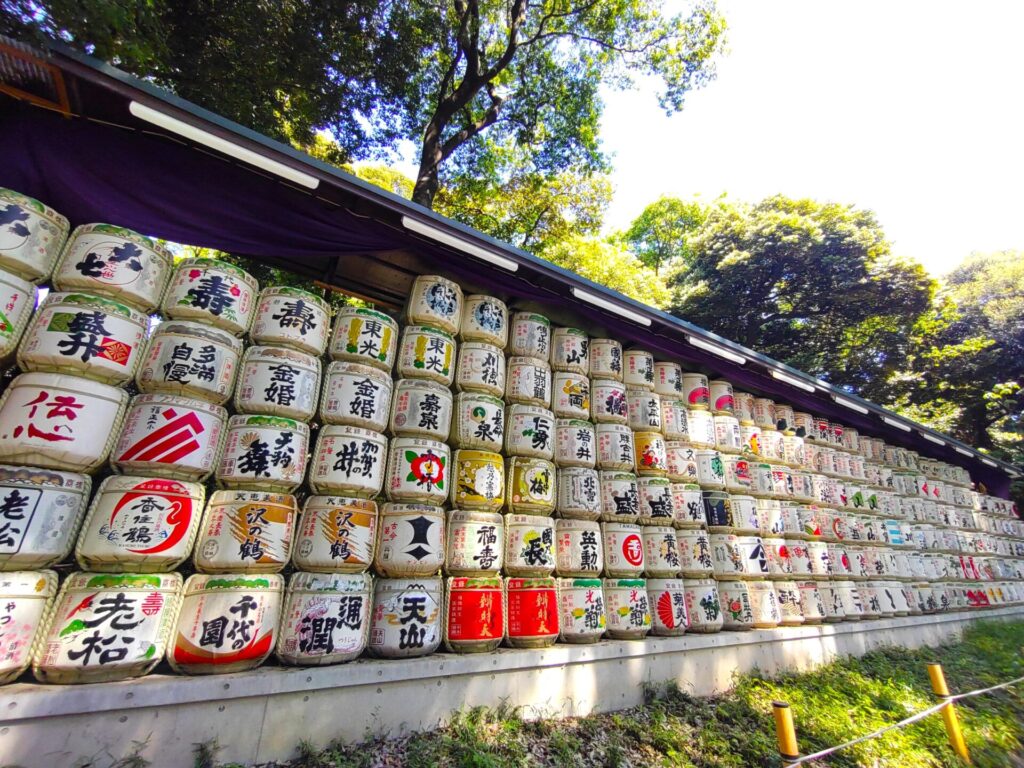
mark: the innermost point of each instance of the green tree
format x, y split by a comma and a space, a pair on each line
611, 265
659, 234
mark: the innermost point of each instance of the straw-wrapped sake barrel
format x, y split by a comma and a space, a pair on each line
348, 460
276, 381
17, 301
410, 540
264, 452
326, 618
435, 300
531, 610
627, 608
41, 511
27, 600
246, 531
406, 618
474, 614
291, 317
190, 359
31, 236
213, 292
363, 335
336, 534
667, 601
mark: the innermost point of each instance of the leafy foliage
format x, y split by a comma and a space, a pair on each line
609, 264
658, 236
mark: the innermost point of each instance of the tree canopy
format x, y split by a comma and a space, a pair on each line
658, 236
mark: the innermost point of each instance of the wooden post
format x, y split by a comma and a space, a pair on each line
785, 732
956, 737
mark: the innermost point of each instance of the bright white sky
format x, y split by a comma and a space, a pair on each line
912, 109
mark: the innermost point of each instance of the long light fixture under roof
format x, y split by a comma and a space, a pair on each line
792, 381
897, 424
989, 462
191, 132
438, 234
715, 349
932, 439
850, 404
603, 303
963, 451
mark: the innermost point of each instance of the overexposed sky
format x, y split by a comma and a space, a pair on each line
912, 109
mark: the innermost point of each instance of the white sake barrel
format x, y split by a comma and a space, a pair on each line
116, 262
803, 424
569, 347
475, 543
348, 460
780, 564
480, 367
213, 292
620, 497
531, 612
326, 618
578, 493
363, 335
696, 391
681, 458
530, 336
744, 514
436, 301
168, 436
710, 469
528, 382
425, 352
59, 422
41, 511
246, 532
770, 521
638, 369
628, 608
703, 606
800, 558
668, 380
108, 627
702, 428
421, 408
529, 545
356, 395
783, 417
651, 454
839, 561
479, 480
86, 335
608, 402
17, 301
787, 596
831, 601
782, 484
575, 443
873, 600
418, 471
605, 359
738, 475
764, 604
755, 560
474, 614
792, 450
643, 408
737, 607
264, 453
531, 486
764, 412
336, 534
479, 422
721, 397
484, 318
570, 397
812, 605
276, 381
818, 554
728, 438
31, 236
615, 447
406, 618
661, 551
410, 540
656, 503
850, 599
291, 317
530, 431
190, 360
227, 623
675, 424
743, 405
578, 550
27, 597
581, 610
667, 601
687, 506
695, 560
623, 549
140, 525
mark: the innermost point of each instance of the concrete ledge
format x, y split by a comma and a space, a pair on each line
262, 715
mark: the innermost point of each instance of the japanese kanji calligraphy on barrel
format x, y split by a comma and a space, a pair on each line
479, 422
578, 548
26, 604
213, 292
581, 616
764, 604
661, 551
140, 525
570, 351
17, 301
484, 318
667, 601
529, 545
325, 619
425, 352
675, 423
363, 335
530, 336
31, 236
728, 438
579, 493
406, 619
623, 549
421, 408
531, 486
264, 452
410, 540
336, 534
190, 359
474, 614
737, 609
627, 608
348, 460
41, 511
474, 543
812, 606
528, 381
615, 450
418, 471
478, 480
703, 605
575, 443
694, 553
651, 454
480, 367
531, 609
620, 497
435, 300
687, 506
696, 391
655, 501
605, 359
570, 395
276, 381
668, 380
291, 317
246, 532
115, 262
529, 432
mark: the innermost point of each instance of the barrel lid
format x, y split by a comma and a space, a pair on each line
92, 300
344, 366
530, 582
251, 497
301, 293
474, 582
423, 384
330, 582
278, 422
350, 309
202, 330
182, 402
536, 362
141, 581
266, 582
409, 508
282, 353
41, 584
579, 583
38, 476
203, 263
159, 249
70, 383
479, 397
336, 430
327, 500
476, 516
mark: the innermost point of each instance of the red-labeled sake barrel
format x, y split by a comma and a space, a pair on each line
406, 618
246, 531
421, 408
475, 543
59, 422
435, 300
656, 503
86, 335
336, 534
484, 318
410, 540
696, 391
115, 262
140, 525
643, 409
17, 300
638, 369
291, 317
581, 610
478, 480
615, 447
579, 493
326, 618
737, 609
529, 545
480, 367
620, 497
627, 608
605, 359
474, 614
569, 348
27, 599
529, 431
227, 623
276, 381
531, 612
570, 397
265, 453
651, 456
168, 436
623, 549
31, 236
667, 600
363, 335
575, 443
479, 422
578, 550
348, 460
108, 626
530, 336
528, 382
531, 486
738, 475
661, 551
668, 380
694, 553
41, 511
419, 470
703, 605
190, 360
213, 292
721, 397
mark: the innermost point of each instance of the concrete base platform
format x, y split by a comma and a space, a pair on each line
263, 715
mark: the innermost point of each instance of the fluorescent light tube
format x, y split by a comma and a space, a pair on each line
603, 303
714, 349
989, 462
792, 381
850, 404
932, 439
438, 234
188, 131
897, 424
962, 451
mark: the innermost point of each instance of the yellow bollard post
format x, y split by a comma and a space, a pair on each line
785, 732
956, 737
